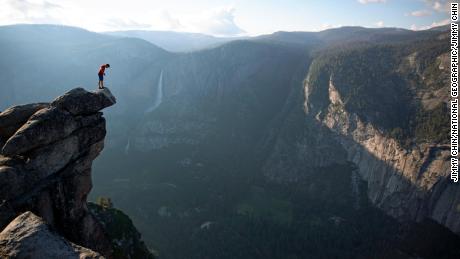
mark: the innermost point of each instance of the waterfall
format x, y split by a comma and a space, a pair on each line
128, 146
159, 95
355, 189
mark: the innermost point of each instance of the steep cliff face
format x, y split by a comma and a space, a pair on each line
405, 162
228, 92
126, 240
407, 183
45, 166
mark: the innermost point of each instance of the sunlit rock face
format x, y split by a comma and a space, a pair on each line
408, 181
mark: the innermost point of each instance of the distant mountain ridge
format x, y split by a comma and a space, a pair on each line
189, 42
176, 41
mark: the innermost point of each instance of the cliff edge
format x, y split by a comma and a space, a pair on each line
393, 124
47, 150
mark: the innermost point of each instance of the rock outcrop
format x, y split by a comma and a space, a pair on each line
15, 117
45, 169
29, 236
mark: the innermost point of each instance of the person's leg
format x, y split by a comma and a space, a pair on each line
101, 81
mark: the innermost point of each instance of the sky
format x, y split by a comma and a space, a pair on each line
227, 17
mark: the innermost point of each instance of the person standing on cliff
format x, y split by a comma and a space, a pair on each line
101, 75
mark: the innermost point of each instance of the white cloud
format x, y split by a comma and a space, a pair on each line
419, 13
380, 24
125, 24
326, 26
439, 5
27, 6
432, 25
170, 22
439, 23
371, 1
29, 11
220, 21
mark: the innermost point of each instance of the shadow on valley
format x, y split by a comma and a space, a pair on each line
214, 198
210, 205
229, 165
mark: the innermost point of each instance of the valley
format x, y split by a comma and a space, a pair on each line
290, 145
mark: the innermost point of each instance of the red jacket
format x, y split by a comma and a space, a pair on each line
101, 70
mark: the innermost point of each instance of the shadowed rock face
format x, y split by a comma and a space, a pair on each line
45, 168
28, 236
78, 101
13, 118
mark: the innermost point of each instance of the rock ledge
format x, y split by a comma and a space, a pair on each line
46, 155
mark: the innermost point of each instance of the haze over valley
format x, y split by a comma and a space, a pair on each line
328, 144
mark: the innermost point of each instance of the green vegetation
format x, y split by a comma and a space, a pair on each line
381, 83
368, 84
104, 202
433, 125
260, 204
126, 240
